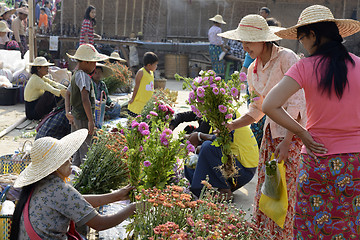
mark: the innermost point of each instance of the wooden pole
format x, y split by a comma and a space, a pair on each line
12, 127
125, 17
142, 17
133, 16
344, 9
75, 14
31, 31
116, 17
102, 17
199, 25
62, 18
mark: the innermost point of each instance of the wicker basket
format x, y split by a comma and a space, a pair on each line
5, 220
8, 165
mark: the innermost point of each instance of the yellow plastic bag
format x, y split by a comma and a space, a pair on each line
276, 210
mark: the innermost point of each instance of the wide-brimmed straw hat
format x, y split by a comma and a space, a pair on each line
40, 62
253, 28
218, 18
107, 71
87, 52
49, 154
116, 56
23, 10
4, 9
4, 27
316, 14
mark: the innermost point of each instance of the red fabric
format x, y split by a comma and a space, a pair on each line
29, 229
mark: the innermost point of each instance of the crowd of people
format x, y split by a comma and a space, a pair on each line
311, 125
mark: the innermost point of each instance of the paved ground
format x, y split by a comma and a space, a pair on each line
11, 142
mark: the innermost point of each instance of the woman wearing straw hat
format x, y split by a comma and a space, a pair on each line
4, 30
115, 57
48, 205
41, 94
329, 179
271, 62
216, 44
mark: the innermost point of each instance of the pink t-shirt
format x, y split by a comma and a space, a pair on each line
332, 122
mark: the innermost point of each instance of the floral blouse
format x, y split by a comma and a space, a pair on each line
262, 79
53, 204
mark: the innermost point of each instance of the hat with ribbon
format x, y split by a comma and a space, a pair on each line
316, 14
49, 154
253, 28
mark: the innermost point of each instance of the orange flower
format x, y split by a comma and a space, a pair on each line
138, 197
185, 197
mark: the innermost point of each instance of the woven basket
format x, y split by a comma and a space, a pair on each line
8, 165
5, 220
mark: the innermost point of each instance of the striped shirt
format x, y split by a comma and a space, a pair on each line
87, 29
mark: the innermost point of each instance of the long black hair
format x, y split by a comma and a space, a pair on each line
334, 57
15, 221
87, 15
34, 70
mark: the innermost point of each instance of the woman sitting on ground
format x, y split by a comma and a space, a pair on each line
41, 94
48, 205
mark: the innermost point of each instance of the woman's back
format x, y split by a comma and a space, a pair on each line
333, 122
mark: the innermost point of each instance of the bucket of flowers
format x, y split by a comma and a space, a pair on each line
217, 101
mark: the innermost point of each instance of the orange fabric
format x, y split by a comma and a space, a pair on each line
43, 20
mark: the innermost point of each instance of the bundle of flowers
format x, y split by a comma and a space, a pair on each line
152, 151
166, 97
121, 79
105, 167
216, 101
173, 214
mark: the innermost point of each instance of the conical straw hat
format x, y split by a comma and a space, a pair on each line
318, 13
4, 9
107, 71
40, 62
253, 28
116, 56
87, 52
218, 18
49, 154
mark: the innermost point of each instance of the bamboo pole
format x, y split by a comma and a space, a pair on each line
12, 127
344, 9
102, 17
142, 17
133, 16
31, 31
62, 18
125, 17
75, 14
116, 17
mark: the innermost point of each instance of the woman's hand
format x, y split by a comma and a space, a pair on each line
230, 126
123, 193
70, 117
282, 150
193, 138
311, 146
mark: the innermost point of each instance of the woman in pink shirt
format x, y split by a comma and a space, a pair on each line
270, 65
328, 201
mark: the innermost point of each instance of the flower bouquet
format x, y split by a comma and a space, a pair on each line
105, 168
121, 79
173, 214
216, 101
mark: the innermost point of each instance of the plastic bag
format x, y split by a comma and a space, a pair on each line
272, 184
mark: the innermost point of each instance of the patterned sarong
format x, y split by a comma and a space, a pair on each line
217, 66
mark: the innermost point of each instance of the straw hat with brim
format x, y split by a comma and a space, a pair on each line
88, 53
316, 14
4, 9
40, 62
253, 28
49, 154
105, 69
23, 10
218, 18
4, 27
116, 56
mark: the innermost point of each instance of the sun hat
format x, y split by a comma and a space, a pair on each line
4, 9
40, 62
87, 52
316, 14
218, 18
4, 27
23, 10
48, 154
116, 56
253, 28
107, 71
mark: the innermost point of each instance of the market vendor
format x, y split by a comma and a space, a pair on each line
48, 206
112, 109
115, 58
41, 94
243, 147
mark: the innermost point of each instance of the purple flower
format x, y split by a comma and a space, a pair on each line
122, 131
206, 79
230, 101
167, 117
198, 114
164, 142
215, 90
153, 113
222, 108
192, 95
213, 85
193, 108
217, 78
125, 149
200, 92
242, 77
141, 148
256, 98
234, 92
167, 132
243, 86
142, 127
222, 90
147, 163
145, 132
148, 116
228, 116
134, 124
211, 80
190, 148
163, 108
